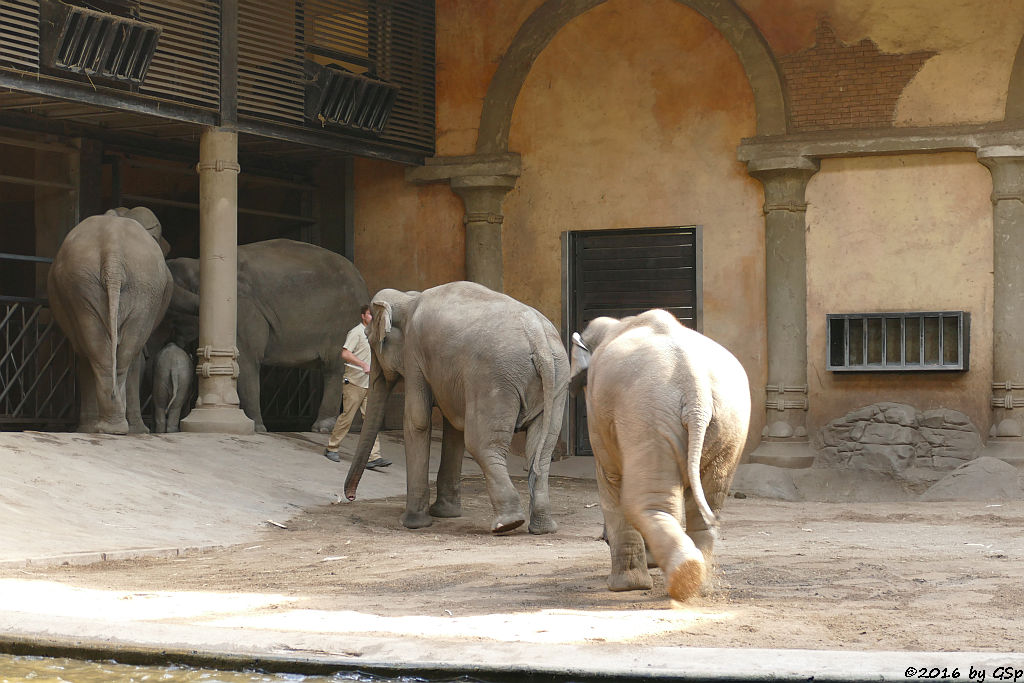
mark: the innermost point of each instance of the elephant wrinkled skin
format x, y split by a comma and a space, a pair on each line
668, 411
493, 366
296, 304
108, 288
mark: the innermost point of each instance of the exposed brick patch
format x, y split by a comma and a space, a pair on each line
833, 85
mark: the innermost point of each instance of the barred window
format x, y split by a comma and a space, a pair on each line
913, 341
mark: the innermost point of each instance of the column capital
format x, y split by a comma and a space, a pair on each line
1006, 164
784, 180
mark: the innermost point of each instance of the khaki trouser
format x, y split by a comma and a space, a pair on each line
352, 398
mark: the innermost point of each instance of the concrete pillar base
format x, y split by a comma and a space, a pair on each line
789, 454
1006, 449
218, 419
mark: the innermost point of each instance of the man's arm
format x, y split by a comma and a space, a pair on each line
350, 358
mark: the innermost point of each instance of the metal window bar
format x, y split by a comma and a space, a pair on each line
937, 340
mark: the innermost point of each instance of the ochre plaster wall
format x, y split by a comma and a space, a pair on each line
406, 236
630, 118
975, 41
900, 233
472, 36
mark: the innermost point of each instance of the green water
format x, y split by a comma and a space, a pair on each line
54, 670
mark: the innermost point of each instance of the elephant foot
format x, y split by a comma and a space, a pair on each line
446, 508
507, 523
635, 579
415, 520
112, 427
323, 425
259, 427
542, 524
140, 428
689, 575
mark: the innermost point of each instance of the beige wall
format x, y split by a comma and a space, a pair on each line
629, 119
406, 236
632, 116
900, 233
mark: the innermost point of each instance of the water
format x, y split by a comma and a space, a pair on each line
55, 670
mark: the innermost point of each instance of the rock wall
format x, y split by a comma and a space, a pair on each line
892, 437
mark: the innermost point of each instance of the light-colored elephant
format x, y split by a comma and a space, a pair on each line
668, 411
173, 370
493, 366
108, 287
296, 304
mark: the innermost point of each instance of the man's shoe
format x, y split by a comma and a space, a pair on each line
379, 462
332, 455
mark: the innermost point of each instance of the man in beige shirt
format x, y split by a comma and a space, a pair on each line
356, 354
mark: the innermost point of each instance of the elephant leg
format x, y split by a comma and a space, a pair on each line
449, 473
133, 404
541, 521
489, 443
89, 411
629, 564
330, 403
107, 391
253, 337
651, 493
416, 428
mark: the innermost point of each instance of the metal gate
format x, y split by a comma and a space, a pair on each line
37, 364
625, 272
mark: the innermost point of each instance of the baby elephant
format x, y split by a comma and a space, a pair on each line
172, 379
668, 411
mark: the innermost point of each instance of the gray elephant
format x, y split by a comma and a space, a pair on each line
668, 411
493, 366
108, 288
296, 304
173, 370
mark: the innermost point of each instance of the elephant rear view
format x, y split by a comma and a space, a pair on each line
667, 411
108, 288
493, 366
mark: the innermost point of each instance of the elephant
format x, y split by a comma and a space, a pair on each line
108, 288
296, 304
493, 366
668, 411
172, 378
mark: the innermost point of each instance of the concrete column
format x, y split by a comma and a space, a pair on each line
217, 408
784, 439
482, 181
483, 197
1006, 163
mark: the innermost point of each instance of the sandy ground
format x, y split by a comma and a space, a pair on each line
820, 576
161, 547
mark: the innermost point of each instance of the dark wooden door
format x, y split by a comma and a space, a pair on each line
619, 273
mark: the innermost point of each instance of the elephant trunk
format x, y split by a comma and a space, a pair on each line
380, 390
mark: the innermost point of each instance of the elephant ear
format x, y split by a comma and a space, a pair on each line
580, 363
380, 326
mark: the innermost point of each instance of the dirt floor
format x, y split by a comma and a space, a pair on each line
856, 576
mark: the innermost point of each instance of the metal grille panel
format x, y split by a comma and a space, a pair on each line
106, 46
19, 34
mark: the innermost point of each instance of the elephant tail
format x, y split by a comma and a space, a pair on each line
552, 386
112, 276
695, 447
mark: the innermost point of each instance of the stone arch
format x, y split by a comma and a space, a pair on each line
545, 22
1015, 90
